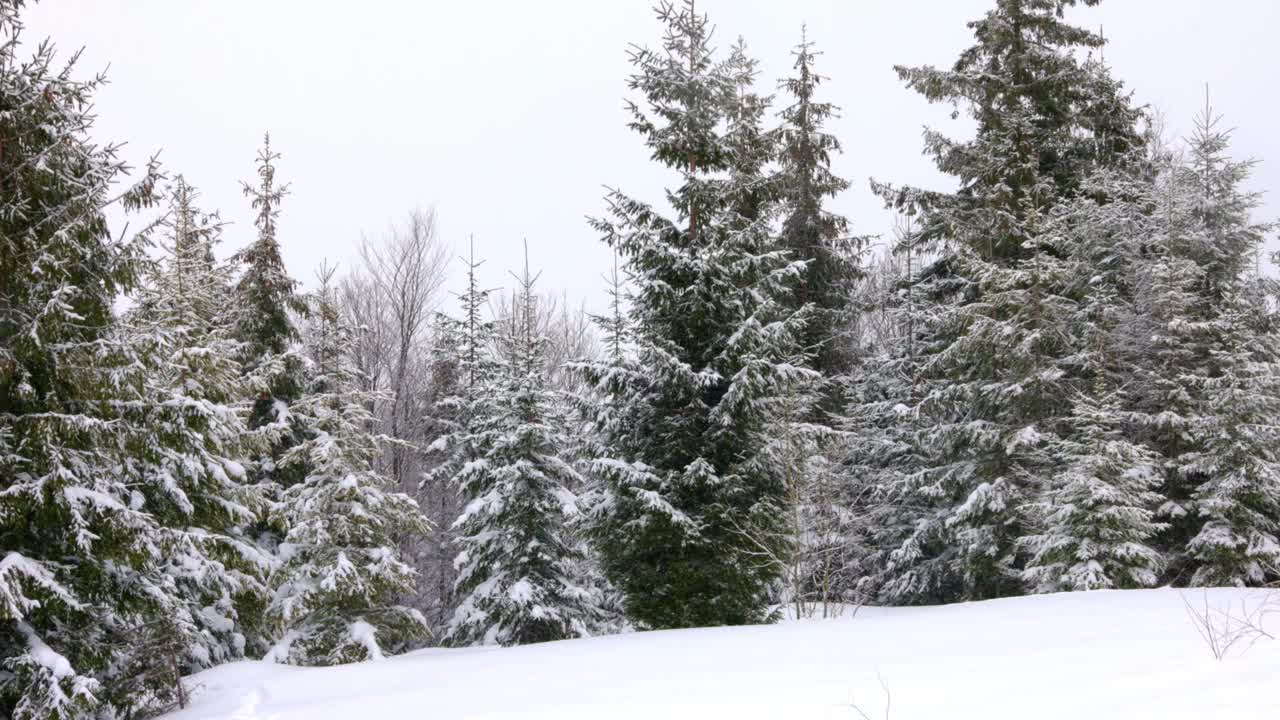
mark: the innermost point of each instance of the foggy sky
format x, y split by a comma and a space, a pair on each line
507, 117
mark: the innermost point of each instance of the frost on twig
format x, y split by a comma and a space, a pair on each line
1228, 625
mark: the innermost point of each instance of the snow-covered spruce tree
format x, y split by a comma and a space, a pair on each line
1097, 518
266, 302
809, 231
464, 368
813, 547
78, 552
600, 407
1223, 480
340, 577
685, 459
518, 578
597, 409
889, 553
193, 480
1166, 345
1093, 523
997, 337
1199, 351
1237, 501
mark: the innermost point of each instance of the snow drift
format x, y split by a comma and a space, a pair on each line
1124, 654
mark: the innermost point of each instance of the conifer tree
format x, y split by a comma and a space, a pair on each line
1093, 523
1237, 501
1167, 352
1213, 371
1098, 513
195, 483
519, 567
997, 338
893, 539
465, 362
811, 232
336, 592
266, 302
686, 460
469, 343
78, 569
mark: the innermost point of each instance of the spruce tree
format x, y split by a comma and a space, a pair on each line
1237, 500
1168, 352
195, 482
1097, 516
810, 231
686, 459
337, 589
519, 567
893, 534
1094, 521
79, 566
996, 346
1198, 346
1222, 465
266, 301
465, 365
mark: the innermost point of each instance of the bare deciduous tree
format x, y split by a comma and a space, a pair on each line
403, 274
391, 298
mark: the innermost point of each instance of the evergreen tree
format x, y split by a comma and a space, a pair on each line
79, 570
465, 367
1098, 513
892, 539
686, 460
341, 575
519, 572
1224, 472
1093, 522
811, 232
266, 301
996, 349
195, 484
1168, 352
1237, 500
1200, 347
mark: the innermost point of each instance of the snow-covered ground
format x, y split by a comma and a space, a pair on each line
1132, 654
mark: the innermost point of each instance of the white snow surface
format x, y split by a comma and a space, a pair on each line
1114, 654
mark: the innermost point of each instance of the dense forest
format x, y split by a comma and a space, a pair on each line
1060, 374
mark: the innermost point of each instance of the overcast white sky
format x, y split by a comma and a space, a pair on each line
507, 116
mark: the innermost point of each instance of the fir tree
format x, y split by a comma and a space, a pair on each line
1200, 344
79, 570
1228, 475
685, 460
465, 365
1168, 353
341, 575
995, 343
519, 573
1237, 501
266, 302
1098, 513
811, 232
1093, 521
195, 484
